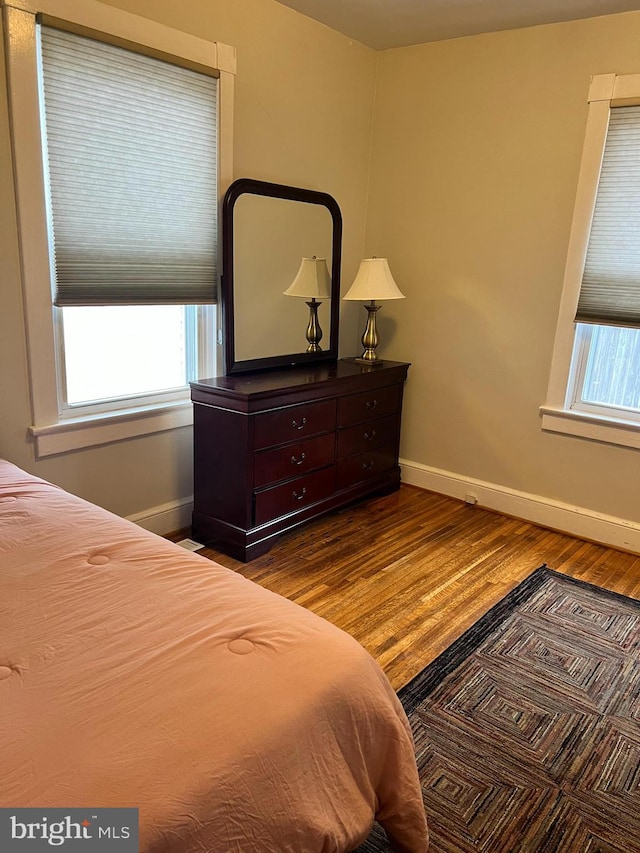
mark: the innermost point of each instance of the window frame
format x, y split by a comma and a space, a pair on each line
53, 432
606, 92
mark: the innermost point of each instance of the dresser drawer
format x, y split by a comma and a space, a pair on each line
294, 422
283, 463
293, 495
367, 436
365, 466
371, 404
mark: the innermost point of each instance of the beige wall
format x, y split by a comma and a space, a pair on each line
476, 151
303, 103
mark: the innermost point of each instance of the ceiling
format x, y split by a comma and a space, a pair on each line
383, 24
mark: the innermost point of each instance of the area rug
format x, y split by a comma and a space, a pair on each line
527, 728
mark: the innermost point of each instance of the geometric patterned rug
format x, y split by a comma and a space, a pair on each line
527, 728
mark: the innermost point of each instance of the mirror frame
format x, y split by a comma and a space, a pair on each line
264, 188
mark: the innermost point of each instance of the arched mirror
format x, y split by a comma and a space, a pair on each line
267, 231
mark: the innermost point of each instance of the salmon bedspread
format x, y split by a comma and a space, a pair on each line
135, 673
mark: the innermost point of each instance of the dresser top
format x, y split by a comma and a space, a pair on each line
291, 377
307, 378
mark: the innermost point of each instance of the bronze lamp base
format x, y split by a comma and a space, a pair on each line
370, 337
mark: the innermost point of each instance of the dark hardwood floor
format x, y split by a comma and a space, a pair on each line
406, 574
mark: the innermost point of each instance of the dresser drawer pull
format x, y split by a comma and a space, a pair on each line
296, 425
371, 404
297, 496
369, 436
295, 461
368, 466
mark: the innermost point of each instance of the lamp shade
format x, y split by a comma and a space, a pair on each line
312, 280
374, 281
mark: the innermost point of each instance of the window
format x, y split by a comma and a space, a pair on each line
594, 390
607, 378
116, 353
130, 172
115, 142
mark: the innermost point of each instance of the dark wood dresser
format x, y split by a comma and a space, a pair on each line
276, 448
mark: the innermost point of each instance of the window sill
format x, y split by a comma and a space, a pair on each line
90, 431
594, 427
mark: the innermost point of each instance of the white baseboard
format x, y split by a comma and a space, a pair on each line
574, 520
166, 518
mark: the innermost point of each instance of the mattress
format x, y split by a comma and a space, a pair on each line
136, 674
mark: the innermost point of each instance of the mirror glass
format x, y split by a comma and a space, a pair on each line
267, 230
272, 235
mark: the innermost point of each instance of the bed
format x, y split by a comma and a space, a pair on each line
134, 673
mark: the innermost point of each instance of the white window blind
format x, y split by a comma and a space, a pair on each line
131, 144
610, 290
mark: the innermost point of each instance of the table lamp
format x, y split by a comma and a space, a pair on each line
312, 282
373, 281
